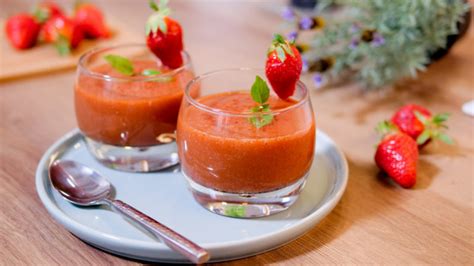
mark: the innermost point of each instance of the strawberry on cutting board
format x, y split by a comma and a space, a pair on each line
418, 122
91, 19
397, 155
63, 32
22, 30
283, 67
164, 35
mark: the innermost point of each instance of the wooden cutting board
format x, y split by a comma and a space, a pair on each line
43, 58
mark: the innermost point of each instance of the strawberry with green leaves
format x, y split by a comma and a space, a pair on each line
418, 122
283, 67
164, 35
397, 155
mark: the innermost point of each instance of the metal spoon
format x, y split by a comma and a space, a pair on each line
83, 186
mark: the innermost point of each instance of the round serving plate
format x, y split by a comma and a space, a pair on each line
164, 196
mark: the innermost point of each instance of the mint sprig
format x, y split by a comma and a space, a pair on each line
150, 72
237, 211
121, 64
260, 94
125, 66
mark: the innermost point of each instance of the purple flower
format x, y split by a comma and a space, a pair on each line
354, 43
306, 23
287, 13
292, 36
378, 40
354, 28
305, 66
318, 80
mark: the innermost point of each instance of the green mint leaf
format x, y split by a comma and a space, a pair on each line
260, 94
440, 118
281, 54
421, 117
260, 91
235, 210
423, 137
120, 63
150, 72
261, 120
153, 5
62, 45
445, 138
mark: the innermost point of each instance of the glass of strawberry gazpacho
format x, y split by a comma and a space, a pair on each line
242, 158
127, 104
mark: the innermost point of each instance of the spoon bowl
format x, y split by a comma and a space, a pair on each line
84, 186
79, 184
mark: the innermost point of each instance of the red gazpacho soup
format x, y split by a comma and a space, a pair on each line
226, 152
129, 111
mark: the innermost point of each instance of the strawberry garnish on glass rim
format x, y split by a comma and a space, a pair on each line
283, 67
164, 35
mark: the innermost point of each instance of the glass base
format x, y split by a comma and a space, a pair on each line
134, 159
246, 205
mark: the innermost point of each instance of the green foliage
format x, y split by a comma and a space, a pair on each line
403, 34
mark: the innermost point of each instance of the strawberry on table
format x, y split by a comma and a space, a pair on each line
164, 35
91, 19
22, 30
283, 67
397, 155
64, 32
418, 122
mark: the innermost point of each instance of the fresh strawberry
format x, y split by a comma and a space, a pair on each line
22, 30
418, 122
65, 33
397, 155
283, 67
164, 36
91, 20
47, 9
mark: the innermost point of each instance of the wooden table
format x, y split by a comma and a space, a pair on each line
375, 222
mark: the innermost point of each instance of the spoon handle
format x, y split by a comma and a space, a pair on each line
171, 238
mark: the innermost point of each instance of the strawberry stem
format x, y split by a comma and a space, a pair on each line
386, 127
433, 128
281, 47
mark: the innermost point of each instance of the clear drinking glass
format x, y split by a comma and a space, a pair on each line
234, 168
129, 122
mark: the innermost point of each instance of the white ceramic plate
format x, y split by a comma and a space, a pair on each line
164, 196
